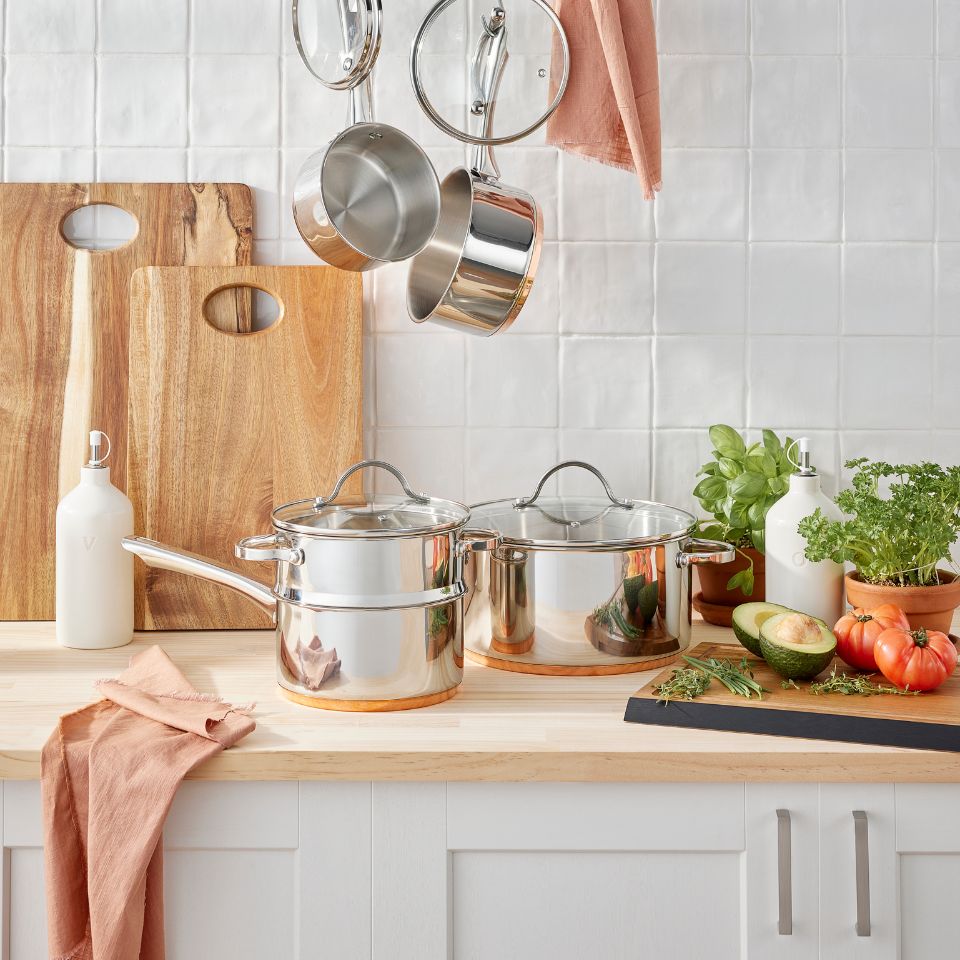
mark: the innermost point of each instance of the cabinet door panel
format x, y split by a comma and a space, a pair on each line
839, 886
928, 904
789, 930
26, 916
516, 905
229, 904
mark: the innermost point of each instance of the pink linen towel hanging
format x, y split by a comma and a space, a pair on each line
109, 773
611, 110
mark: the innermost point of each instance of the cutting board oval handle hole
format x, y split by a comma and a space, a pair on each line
99, 227
242, 309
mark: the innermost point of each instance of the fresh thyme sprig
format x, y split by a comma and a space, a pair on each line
684, 683
859, 684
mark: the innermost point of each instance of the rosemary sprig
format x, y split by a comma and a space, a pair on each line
737, 678
611, 615
859, 684
684, 683
789, 685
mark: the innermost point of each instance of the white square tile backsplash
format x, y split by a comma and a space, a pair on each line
806, 242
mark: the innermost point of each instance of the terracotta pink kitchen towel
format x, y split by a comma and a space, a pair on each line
109, 773
611, 110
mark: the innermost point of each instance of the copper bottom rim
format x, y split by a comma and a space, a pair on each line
370, 706
562, 670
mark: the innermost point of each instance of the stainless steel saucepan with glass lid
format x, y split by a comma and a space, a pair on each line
583, 585
367, 598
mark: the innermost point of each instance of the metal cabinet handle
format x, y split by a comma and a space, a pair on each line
531, 500
784, 874
862, 845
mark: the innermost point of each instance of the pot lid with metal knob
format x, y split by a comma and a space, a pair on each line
582, 523
373, 516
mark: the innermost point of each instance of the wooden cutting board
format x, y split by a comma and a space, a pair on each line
226, 426
927, 721
64, 346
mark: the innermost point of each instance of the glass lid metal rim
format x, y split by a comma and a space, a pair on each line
493, 512
439, 516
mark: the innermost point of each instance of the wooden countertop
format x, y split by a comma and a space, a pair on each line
501, 726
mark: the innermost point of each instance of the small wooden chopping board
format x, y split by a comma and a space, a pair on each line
926, 721
64, 345
224, 426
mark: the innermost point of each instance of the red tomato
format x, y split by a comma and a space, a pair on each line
915, 659
857, 631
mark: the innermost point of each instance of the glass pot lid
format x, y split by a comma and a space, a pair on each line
338, 40
587, 523
379, 515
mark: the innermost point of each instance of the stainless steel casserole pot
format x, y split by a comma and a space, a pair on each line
368, 594
583, 585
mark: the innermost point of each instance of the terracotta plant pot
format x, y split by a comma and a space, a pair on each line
714, 577
931, 607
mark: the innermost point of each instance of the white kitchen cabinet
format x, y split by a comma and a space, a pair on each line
245, 876
470, 871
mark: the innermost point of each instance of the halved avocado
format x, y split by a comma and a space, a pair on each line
748, 618
798, 647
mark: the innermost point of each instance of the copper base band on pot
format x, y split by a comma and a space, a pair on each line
515, 648
370, 706
560, 670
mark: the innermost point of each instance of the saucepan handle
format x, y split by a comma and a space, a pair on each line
696, 550
180, 561
268, 546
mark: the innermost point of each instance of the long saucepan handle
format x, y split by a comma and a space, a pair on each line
180, 561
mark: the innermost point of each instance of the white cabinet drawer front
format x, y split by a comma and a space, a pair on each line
595, 816
22, 823
618, 906
927, 817
246, 815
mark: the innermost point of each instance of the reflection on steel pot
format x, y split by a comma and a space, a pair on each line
611, 579
368, 595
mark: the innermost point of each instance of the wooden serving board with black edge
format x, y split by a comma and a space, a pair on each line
925, 721
224, 427
64, 345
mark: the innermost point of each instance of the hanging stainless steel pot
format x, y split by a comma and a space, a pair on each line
370, 196
368, 594
583, 585
477, 271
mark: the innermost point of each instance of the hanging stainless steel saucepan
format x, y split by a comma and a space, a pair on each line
583, 585
371, 196
368, 594
476, 272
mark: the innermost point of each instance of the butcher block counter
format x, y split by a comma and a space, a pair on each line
500, 727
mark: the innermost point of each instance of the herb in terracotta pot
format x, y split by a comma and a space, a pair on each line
738, 487
898, 540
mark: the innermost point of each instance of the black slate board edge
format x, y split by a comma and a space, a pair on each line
795, 723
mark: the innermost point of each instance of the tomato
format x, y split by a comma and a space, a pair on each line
915, 659
857, 631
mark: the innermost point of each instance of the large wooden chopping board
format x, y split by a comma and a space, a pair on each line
64, 346
225, 426
928, 721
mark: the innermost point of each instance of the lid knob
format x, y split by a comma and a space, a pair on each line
97, 438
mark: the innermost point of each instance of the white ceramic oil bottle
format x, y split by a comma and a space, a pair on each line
94, 572
793, 580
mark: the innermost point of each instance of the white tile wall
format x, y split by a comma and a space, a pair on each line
806, 245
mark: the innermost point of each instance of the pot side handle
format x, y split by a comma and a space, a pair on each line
180, 561
478, 540
696, 550
268, 546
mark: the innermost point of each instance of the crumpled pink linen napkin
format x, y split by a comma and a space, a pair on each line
611, 110
109, 773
